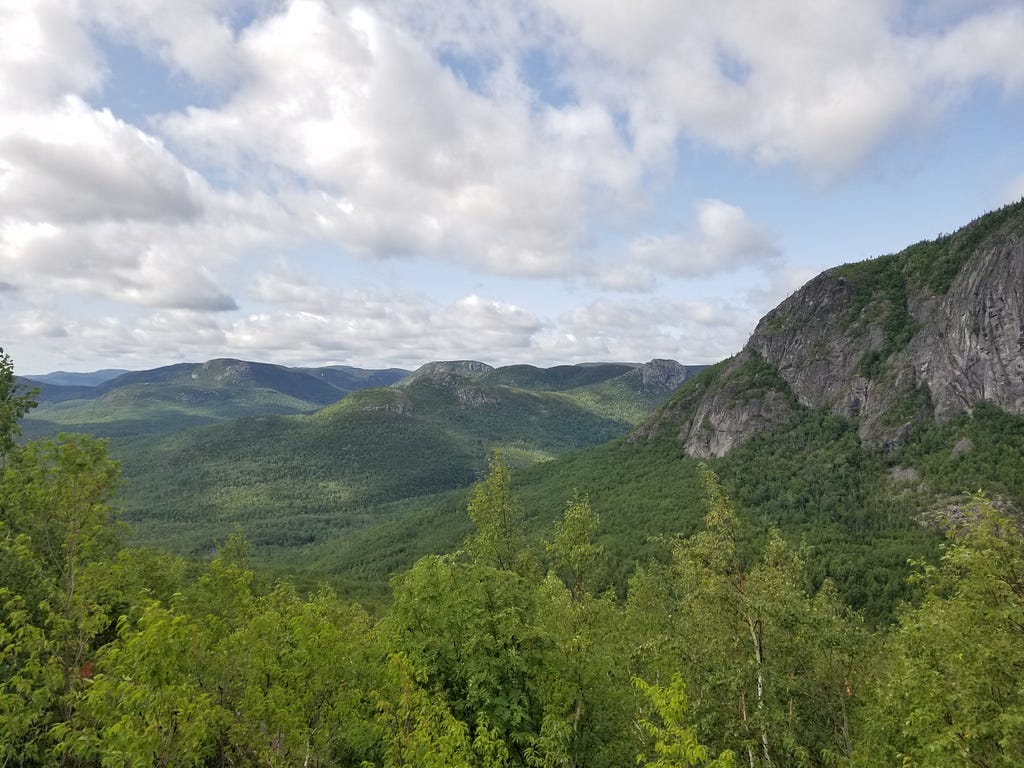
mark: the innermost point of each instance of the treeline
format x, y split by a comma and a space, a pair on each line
503, 654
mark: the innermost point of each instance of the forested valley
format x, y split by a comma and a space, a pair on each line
730, 645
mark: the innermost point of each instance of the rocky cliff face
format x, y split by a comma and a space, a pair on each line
661, 375
971, 343
446, 372
924, 333
723, 406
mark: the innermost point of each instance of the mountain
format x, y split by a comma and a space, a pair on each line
443, 369
174, 397
626, 392
349, 379
926, 333
70, 379
57, 393
559, 378
295, 480
854, 421
317, 386
656, 377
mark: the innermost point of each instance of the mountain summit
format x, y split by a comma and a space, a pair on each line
925, 333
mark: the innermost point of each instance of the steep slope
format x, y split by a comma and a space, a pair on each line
858, 515
927, 332
442, 369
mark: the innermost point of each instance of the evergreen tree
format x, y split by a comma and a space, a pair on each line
951, 693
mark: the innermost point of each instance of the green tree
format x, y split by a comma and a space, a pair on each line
673, 740
146, 705
769, 665
61, 592
419, 731
470, 631
306, 669
573, 549
588, 702
951, 693
500, 538
15, 401
31, 677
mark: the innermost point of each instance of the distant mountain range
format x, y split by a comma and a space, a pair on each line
115, 402
68, 379
854, 420
299, 455
173, 397
314, 385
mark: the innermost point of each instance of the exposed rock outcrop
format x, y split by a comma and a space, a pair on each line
924, 333
723, 406
449, 371
970, 346
660, 375
459, 378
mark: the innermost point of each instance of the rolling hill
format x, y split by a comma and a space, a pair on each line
132, 404
854, 420
296, 479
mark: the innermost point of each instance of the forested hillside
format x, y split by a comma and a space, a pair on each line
755, 575
860, 515
132, 404
293, 481
508, 652
267, 456
795, 460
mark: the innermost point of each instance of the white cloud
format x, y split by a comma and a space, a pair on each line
141, 263
403, 330
778, 285
725, 240
430, 131
75, 164
394, 330
821, 84
284, 285
692, 332
624, 276
46, 53
987, 45
476, 326
37, 323
192, 36
403, 156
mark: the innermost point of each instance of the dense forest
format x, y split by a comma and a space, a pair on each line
300, 457
512, 651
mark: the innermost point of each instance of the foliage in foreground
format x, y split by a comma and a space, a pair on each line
503, 654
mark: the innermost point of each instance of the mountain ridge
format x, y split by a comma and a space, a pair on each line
890, 342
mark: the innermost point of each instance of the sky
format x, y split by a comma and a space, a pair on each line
316, 182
